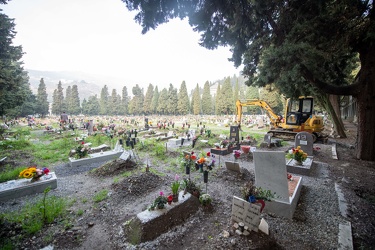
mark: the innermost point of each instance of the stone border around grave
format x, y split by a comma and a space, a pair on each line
282, 208
22, 187
305, 169
148, 225
96, 157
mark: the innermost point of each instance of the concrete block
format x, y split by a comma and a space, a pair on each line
148, 225
22, 187
96, 157
304, 169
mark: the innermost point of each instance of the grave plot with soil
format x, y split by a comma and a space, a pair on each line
99, 223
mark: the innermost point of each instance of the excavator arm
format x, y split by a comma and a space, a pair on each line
275, 119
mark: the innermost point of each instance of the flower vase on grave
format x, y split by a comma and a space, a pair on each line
187, 169
205, 176
299, 163
200, 168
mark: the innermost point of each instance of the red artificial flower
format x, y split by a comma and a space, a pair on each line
170, 197
45, 171
82, 142
208, 154
193, 157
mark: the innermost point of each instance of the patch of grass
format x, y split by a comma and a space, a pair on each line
80, 212
21, 143
116, 179
159, 151
55, 151
102, 195
84, 200
127, 174
34, 216
10, 173
155, 171
48, 238
6, 244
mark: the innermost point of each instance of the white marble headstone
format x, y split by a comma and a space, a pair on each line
271, 174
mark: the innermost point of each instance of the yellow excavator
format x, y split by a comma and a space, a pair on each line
298, 117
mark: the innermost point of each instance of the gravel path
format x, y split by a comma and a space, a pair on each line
314, 225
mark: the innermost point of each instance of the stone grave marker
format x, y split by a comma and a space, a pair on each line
91, 127
125, 155
234, 134
305, 141
245, 212
267, 140
192, 133
260, 122
170, 134
271, 174
233, 166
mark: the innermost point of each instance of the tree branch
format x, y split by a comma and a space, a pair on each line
352, 89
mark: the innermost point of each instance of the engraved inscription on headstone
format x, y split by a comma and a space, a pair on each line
125, 156
305, 141
233, 166
234, 134
245, 212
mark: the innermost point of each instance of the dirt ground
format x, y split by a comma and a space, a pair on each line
100, 225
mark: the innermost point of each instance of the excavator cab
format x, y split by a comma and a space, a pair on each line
298, 111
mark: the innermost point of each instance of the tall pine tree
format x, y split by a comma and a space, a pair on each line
196, 101
183, 105
206, 100
42, 99
148, 100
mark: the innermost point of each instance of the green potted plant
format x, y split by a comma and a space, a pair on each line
175, 187
159, 202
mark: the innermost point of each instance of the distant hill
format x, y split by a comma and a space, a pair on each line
88, 85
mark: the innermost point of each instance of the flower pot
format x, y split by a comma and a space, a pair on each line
299, 163
205, 176
196, 193
175, 198
169, 202
245, 149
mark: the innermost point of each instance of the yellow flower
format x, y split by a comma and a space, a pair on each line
28, 172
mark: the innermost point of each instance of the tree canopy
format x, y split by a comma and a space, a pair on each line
299, 45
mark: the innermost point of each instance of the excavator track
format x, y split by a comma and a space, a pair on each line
287, 134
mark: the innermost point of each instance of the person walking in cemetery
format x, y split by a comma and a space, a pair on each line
64, 118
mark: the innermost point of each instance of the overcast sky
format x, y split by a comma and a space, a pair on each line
101, 37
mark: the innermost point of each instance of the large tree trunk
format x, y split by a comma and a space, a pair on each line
339, 125
325, 101
365, 149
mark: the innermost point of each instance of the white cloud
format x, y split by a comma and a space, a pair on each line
101, 37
